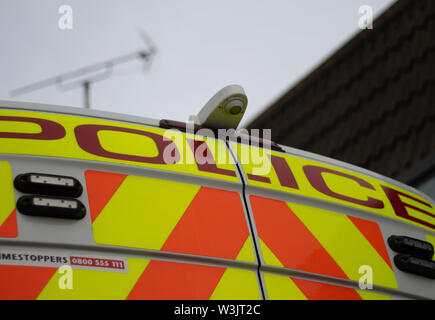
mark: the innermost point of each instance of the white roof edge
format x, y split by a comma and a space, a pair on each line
31, 106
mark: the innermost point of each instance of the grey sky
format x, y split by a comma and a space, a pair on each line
265, 46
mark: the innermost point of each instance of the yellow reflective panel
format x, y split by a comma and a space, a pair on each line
156, 214
370, 295
325, 182
110, 141
247, 251
344, 186
237, 284
278, 287
431, 239
281, 288
180, 280
268, 255
346, 244
143, 212
8, 215
137, 145
21, 127
7, 204
95, 285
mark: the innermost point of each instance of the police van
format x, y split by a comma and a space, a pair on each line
98, 205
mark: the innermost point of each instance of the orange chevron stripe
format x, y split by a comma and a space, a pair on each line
9, 228
213, 225
164, 280
23, 282
373, 234
101, 187
323, 291
290, 240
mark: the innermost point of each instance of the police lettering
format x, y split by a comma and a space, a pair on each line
88, 140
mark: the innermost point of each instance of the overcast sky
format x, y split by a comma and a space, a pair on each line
265, 46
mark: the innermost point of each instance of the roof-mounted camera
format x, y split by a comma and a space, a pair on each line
224, 110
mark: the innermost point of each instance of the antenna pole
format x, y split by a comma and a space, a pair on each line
87, 74
87, 94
